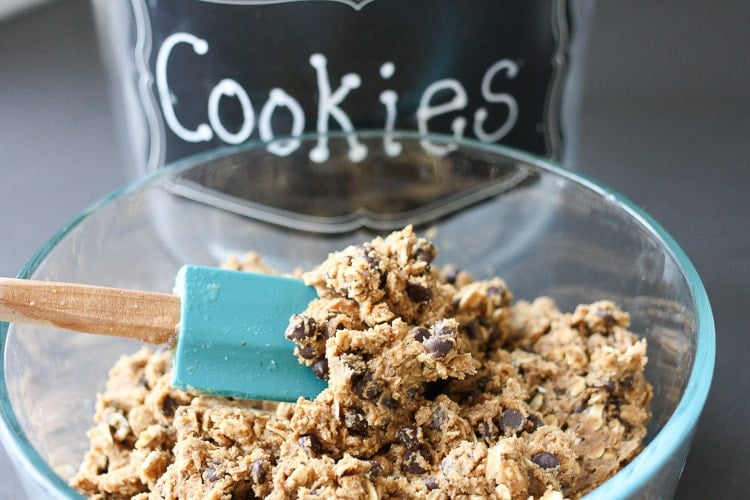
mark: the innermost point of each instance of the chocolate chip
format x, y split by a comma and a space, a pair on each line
320, 368
425, 254
296, 332
258, 471
307, 351
545, 460
512, 419
411, 465
310, 442
364, 387
355, 421
444, 331
418, 293
609, 386
431, 483
375, 468
439, 347
535, 422
407, 436
411, 460
420, 333
300, 328
607, 318
168, 406
389, 403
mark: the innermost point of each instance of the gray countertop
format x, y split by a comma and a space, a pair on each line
664, 118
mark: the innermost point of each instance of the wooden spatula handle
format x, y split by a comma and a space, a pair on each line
150, 317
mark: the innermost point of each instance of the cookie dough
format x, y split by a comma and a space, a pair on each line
439, 386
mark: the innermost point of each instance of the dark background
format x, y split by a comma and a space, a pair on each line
659, 110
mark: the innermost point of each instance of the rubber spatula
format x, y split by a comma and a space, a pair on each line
227, 327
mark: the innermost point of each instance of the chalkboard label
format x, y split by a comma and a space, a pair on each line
214, 73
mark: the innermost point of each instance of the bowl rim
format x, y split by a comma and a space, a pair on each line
675, 433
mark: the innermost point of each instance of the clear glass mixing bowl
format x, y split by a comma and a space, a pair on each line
490, 210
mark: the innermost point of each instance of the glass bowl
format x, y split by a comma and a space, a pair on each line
490, 210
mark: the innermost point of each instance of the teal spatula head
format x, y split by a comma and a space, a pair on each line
230, 339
